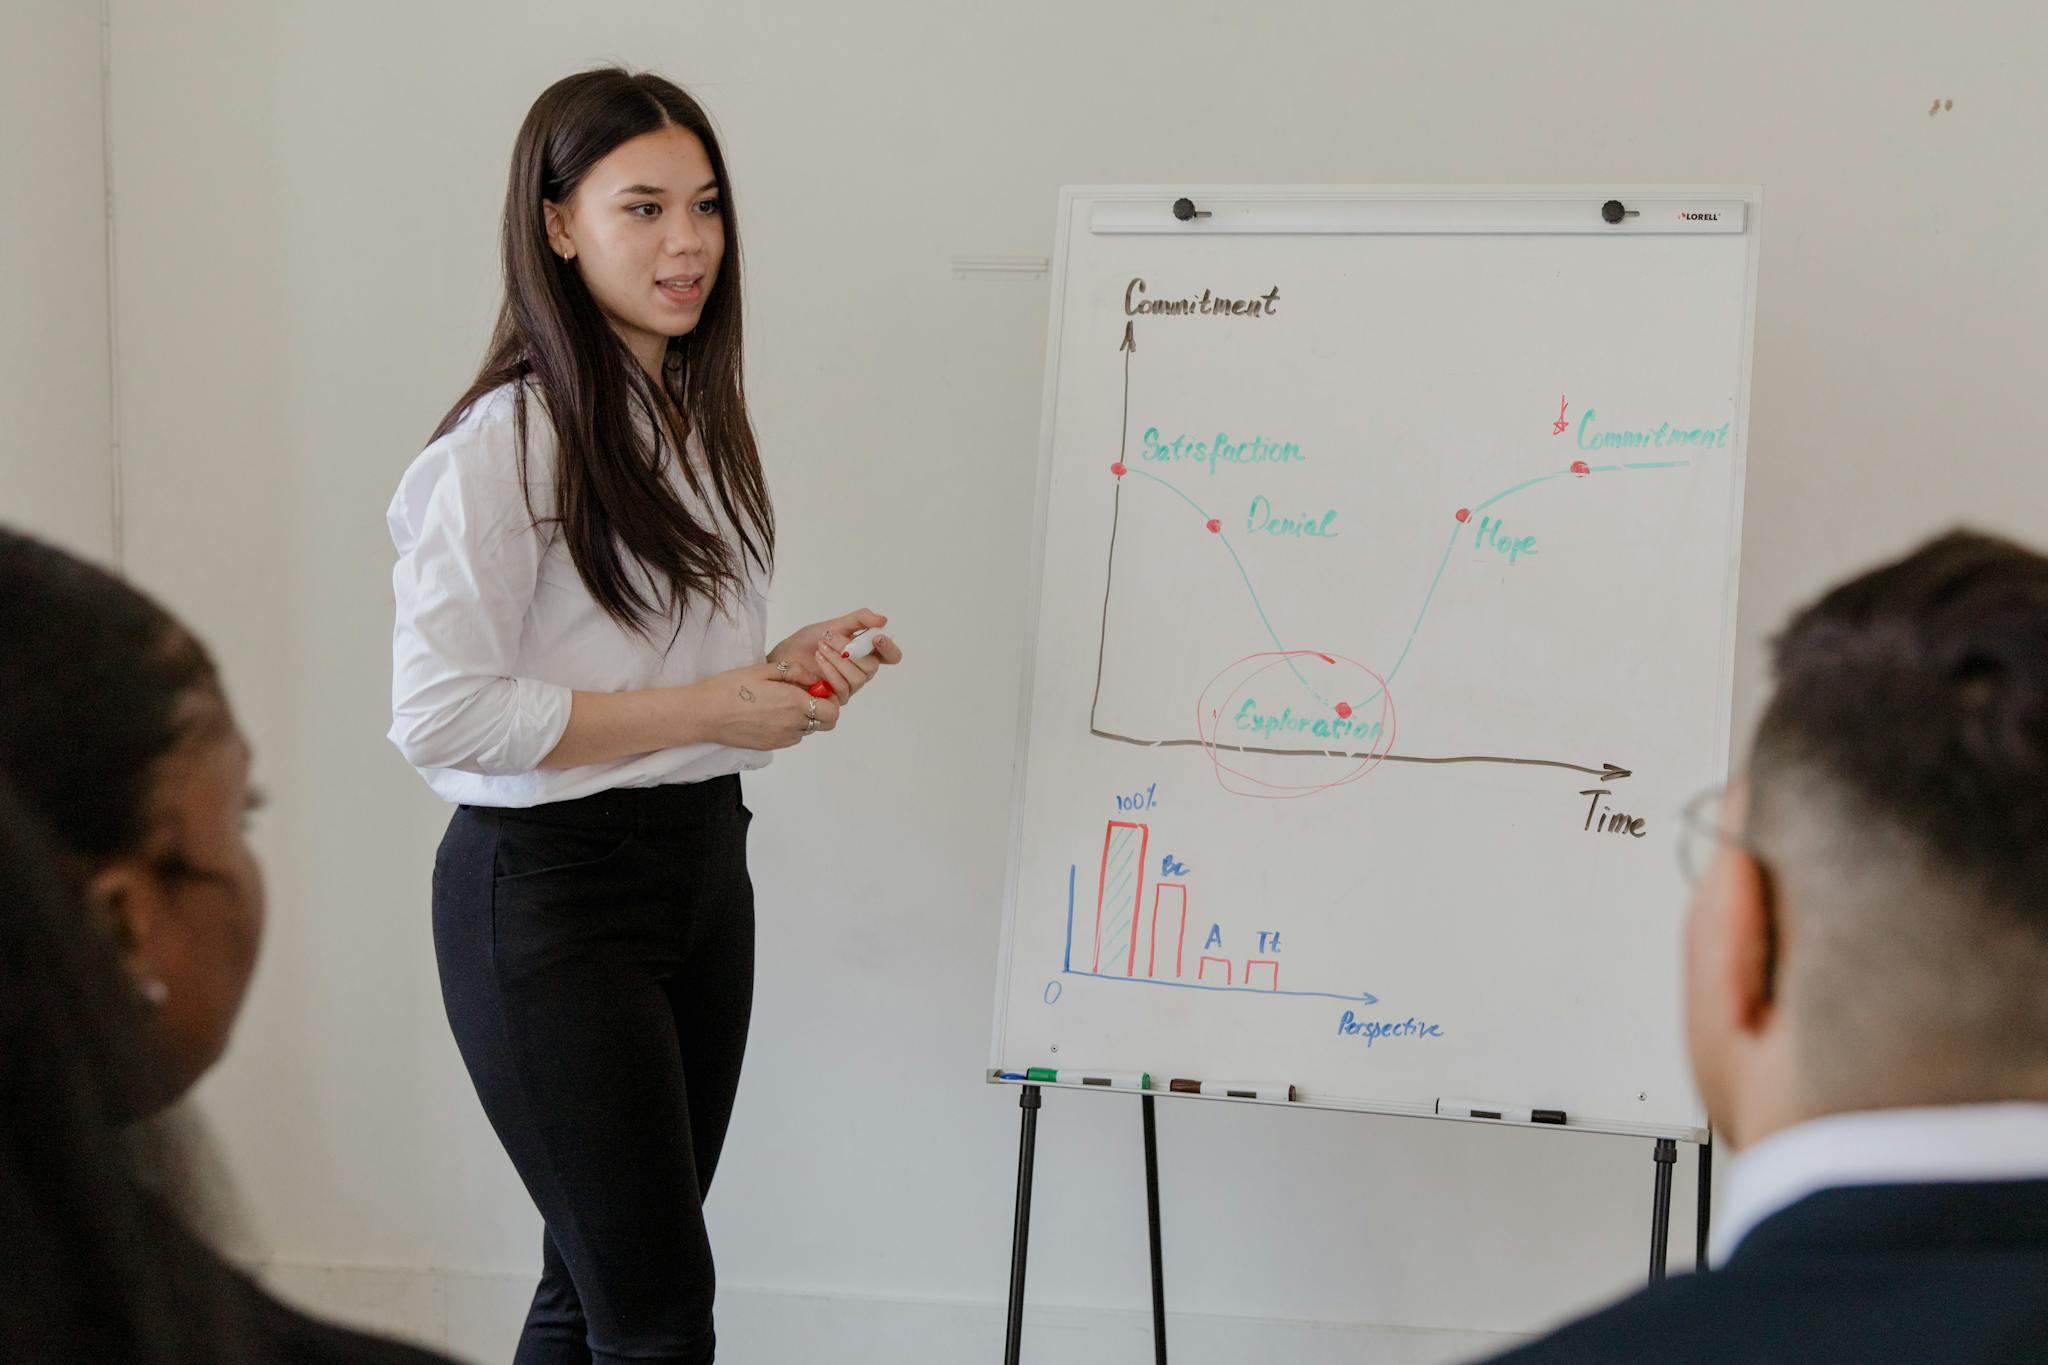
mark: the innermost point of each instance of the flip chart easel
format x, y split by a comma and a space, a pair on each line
1385, 580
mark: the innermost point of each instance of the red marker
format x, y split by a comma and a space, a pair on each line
860, 644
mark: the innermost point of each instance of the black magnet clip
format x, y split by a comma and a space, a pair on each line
1185, 210
1614, 211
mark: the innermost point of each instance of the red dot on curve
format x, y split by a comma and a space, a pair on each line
1579, 467
1215, 525
1344, 710
1118, 469
1464, 514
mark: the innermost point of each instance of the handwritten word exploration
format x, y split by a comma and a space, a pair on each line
1250, 720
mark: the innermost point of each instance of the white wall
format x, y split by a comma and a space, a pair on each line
308, 198
56, 461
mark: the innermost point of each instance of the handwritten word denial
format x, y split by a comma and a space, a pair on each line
1264, 305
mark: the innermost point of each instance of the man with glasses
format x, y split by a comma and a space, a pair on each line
1867, 990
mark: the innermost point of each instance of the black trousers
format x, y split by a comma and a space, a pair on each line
597, 963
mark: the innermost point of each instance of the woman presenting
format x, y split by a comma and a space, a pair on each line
578, 665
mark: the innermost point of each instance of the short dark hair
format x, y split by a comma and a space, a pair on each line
1899, 785
97, 683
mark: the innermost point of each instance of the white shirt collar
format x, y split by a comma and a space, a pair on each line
1944, 1143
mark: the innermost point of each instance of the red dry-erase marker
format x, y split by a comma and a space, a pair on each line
860, 644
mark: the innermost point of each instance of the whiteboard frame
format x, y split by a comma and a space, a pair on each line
1364, 210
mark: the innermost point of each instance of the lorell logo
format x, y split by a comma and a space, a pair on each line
1700, 217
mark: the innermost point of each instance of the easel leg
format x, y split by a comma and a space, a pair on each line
1706, 1211
1027, 1149
1152, 1220
1666, 1156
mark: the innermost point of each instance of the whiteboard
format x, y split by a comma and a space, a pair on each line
1384, 617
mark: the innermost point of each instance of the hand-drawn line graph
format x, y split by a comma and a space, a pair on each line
1371, 757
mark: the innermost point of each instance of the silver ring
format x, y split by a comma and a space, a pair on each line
782, 668
811, 709
810, 725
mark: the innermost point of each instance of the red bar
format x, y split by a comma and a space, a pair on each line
1137, 898
1158, 896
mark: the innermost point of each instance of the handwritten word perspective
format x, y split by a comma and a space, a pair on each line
1374, 1030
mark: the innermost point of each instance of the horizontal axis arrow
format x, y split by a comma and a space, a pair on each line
1606, 772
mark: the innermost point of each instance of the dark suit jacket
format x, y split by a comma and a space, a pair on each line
1880, 1273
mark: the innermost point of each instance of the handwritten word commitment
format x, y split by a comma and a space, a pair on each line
1265, 305
1659, 437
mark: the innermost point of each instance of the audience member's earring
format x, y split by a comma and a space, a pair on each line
154, 991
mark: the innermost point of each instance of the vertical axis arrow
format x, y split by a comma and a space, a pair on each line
1123, 437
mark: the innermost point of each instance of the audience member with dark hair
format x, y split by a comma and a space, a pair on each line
1867, 990
130, 910
100, 1272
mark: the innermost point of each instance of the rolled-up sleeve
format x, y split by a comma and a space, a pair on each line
469, 558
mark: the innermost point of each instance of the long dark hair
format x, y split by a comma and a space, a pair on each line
97, 689
97, 684
611, 499
96, 1268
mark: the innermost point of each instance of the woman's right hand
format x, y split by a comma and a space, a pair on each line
753, 708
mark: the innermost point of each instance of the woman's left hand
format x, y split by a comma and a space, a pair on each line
849, 676
813, 653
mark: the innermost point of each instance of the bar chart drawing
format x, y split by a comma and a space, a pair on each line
1133, 931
